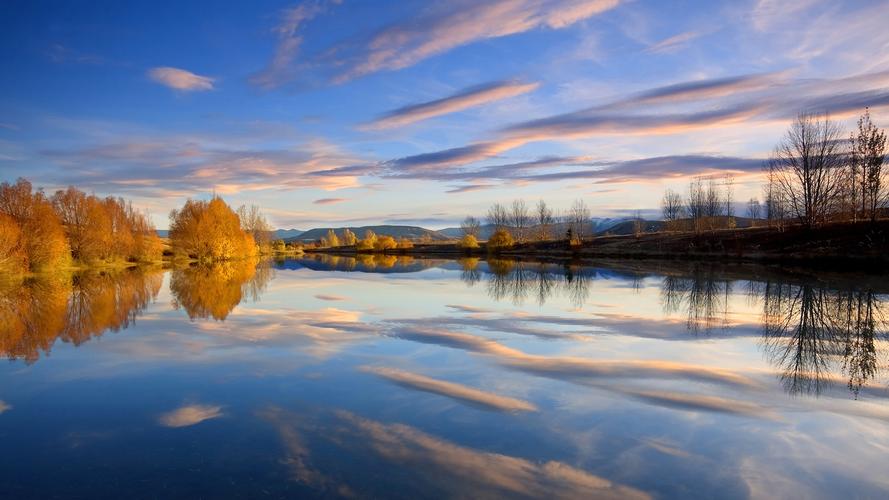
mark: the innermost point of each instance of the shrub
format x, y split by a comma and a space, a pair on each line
385, 243
499, 240
469, 241
405, 243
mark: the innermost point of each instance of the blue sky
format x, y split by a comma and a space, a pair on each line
355, 112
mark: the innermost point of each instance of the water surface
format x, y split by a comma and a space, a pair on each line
406, 378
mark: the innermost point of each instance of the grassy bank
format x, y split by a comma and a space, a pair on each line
851, 244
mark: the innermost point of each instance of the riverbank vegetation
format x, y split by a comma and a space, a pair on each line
70, 228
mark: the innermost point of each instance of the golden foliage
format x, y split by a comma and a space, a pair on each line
369, 241
209, 230
42, 238
405, 243
500, 239
332, 239
214, 290
349, 237
35, 313
385, 243
469, 241
12, 258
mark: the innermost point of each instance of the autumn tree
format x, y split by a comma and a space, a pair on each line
499, 240
209, 230
12, 258
43, 243
369, 241
349, 238
332, 239
385, 242
806, 167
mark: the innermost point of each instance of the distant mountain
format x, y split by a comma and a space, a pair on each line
410, 232
163, 233
285, 234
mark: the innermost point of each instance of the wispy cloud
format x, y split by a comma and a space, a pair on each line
180, 79
281, 68
721, 102
436, 30
452, 390
190, 415
673, 43
329, 201
467, 98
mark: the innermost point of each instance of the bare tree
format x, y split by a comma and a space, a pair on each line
866, 188
672, 209
545, 220
579, 219
520, 219
498, 217
729, 182
470, 226
754, 210
806, 168
696, 205
775, 211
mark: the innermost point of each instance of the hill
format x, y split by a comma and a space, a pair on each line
598, 225
410, 232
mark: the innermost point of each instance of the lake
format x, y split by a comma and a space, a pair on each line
405, 378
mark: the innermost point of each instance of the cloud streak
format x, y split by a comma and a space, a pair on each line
452, 390
465, 99
180, 79
190, 415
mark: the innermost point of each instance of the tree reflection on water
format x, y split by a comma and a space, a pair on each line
36, 312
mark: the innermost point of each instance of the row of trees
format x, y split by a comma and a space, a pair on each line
212, 231
370, 242
814, 176
520, 223
39, 232
709, 205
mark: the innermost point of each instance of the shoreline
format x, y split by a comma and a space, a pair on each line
842, 245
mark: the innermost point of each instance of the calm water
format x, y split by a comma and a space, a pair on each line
406, 378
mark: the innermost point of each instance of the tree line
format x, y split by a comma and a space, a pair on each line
369, 243
815, 175
39, 232
519, 223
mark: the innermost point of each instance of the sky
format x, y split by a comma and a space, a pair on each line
334, 113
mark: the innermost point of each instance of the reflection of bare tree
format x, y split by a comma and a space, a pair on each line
469, 270
34, 313
509, 279
578, 280
810, 330
704, 297
517, 280
206, 291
